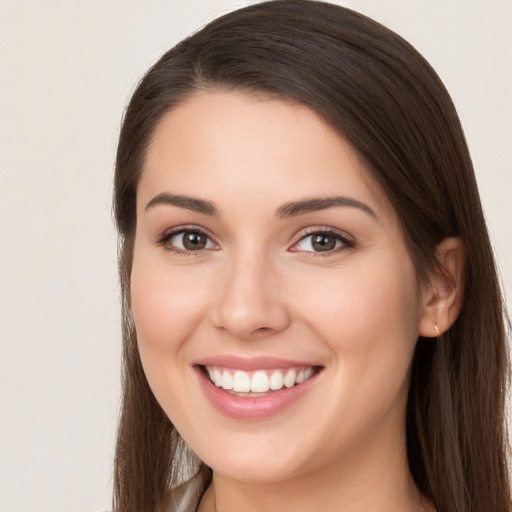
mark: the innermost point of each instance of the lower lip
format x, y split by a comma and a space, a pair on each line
252, 408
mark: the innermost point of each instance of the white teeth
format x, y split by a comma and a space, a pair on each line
308, 372
227, 380
260, 382
217, 378
241, 382
289, 379
276, 380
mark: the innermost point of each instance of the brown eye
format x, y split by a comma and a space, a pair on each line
328, 241
193, 240
189, 240
323, 242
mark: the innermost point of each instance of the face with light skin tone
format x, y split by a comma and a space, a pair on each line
277, 271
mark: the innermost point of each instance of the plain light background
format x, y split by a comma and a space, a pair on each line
66, 71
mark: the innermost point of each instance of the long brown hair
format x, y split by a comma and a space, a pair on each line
377, 91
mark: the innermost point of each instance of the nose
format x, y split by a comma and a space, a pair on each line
250, 301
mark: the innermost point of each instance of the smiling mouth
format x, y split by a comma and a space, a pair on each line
260, 382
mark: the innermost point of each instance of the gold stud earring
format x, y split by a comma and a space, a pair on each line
436, 329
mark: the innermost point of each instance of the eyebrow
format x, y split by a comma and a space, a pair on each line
291, 209
295, 208
187, 202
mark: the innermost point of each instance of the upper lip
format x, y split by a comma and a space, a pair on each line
251, 363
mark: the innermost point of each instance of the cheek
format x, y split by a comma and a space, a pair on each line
166, 302
366, 303
368, 316
167, 305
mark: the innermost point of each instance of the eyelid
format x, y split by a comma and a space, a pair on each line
347, 240
166, 235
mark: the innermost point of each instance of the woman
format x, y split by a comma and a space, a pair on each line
312, 318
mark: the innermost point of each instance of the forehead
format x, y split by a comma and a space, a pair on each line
253, 148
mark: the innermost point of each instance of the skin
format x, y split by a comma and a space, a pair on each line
258, 289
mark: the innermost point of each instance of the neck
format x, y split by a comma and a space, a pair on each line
356, 482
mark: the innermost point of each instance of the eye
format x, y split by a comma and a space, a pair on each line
187, 240
322, 241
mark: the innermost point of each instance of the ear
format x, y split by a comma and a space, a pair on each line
441, 300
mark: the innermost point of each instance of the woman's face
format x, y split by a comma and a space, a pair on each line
266, 254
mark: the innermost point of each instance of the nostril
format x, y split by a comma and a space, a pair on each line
263, 330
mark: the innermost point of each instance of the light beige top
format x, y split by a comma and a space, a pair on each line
186, 496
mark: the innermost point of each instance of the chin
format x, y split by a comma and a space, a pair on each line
255, 459
256, 471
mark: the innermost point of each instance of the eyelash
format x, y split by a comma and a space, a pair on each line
346, 241
164, 239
